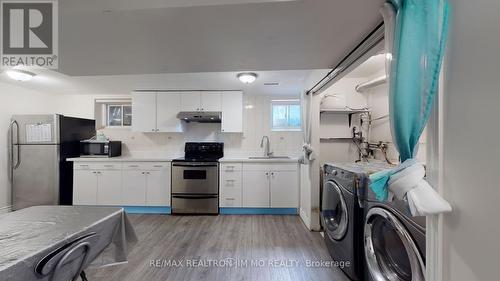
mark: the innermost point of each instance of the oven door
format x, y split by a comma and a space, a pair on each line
195, 178
195, 204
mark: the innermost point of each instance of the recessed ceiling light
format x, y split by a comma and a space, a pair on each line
247, 77
20, 75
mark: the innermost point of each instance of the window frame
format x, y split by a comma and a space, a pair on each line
288, 103
107, 114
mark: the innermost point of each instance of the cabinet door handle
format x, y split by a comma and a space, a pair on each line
158, 166
109, 166
133, 166
230, 198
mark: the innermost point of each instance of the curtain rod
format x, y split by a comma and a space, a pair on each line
370, 41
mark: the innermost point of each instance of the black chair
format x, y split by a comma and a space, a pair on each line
68, 261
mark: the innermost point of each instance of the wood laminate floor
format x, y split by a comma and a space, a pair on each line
221, 248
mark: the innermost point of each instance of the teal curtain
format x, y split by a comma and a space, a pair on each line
417, 52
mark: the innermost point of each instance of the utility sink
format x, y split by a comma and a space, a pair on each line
269, 157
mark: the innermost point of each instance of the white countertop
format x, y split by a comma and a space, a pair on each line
123, 159
160, 158
248, 160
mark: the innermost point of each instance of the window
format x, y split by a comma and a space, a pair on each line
119, 115
286, 115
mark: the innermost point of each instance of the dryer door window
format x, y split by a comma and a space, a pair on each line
391, 253
334, 211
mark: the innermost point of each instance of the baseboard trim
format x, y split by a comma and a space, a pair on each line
6, 209
306, 220
147, 210
257, 211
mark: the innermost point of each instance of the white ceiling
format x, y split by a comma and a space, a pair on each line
370, 67
116, 46
113, 37
291, 82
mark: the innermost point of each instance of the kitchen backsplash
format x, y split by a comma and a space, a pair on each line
256, 123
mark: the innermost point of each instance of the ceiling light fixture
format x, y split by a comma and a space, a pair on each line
20, 75
247, 77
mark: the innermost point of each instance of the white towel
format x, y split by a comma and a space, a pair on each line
307, 154
421, 197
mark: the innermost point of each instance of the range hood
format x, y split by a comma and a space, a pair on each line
200, 116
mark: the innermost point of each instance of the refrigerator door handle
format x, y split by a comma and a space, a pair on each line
18, 159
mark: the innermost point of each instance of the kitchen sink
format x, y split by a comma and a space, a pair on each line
269, 157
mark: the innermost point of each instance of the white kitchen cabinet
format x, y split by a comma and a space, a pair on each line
84, 187
168, 105
284, 189
109, 187
232, 112
144, 112
156, 112
270, 185
230, 185
158, 188
211, 101
255, 189
134, 188
191, 101
130, 184
201, 101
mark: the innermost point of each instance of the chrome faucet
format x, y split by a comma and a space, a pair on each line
267, 153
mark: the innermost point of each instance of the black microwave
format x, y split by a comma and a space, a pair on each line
100, 148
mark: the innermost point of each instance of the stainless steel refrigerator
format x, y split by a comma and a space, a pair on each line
38, 148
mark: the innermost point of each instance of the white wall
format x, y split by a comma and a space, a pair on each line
336, 125
378, 102
17, 100
256, 123
471, 147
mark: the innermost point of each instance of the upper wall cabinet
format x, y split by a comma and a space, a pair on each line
201, 101
232, 112
168, 104
143, 112
156, 112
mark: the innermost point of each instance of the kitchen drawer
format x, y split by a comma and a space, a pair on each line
230, 197
270, 167
146, 166
97, 166
230, 167
230, 180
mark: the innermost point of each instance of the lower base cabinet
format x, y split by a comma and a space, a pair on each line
84, 187
109, 188
128, 184
259, 185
